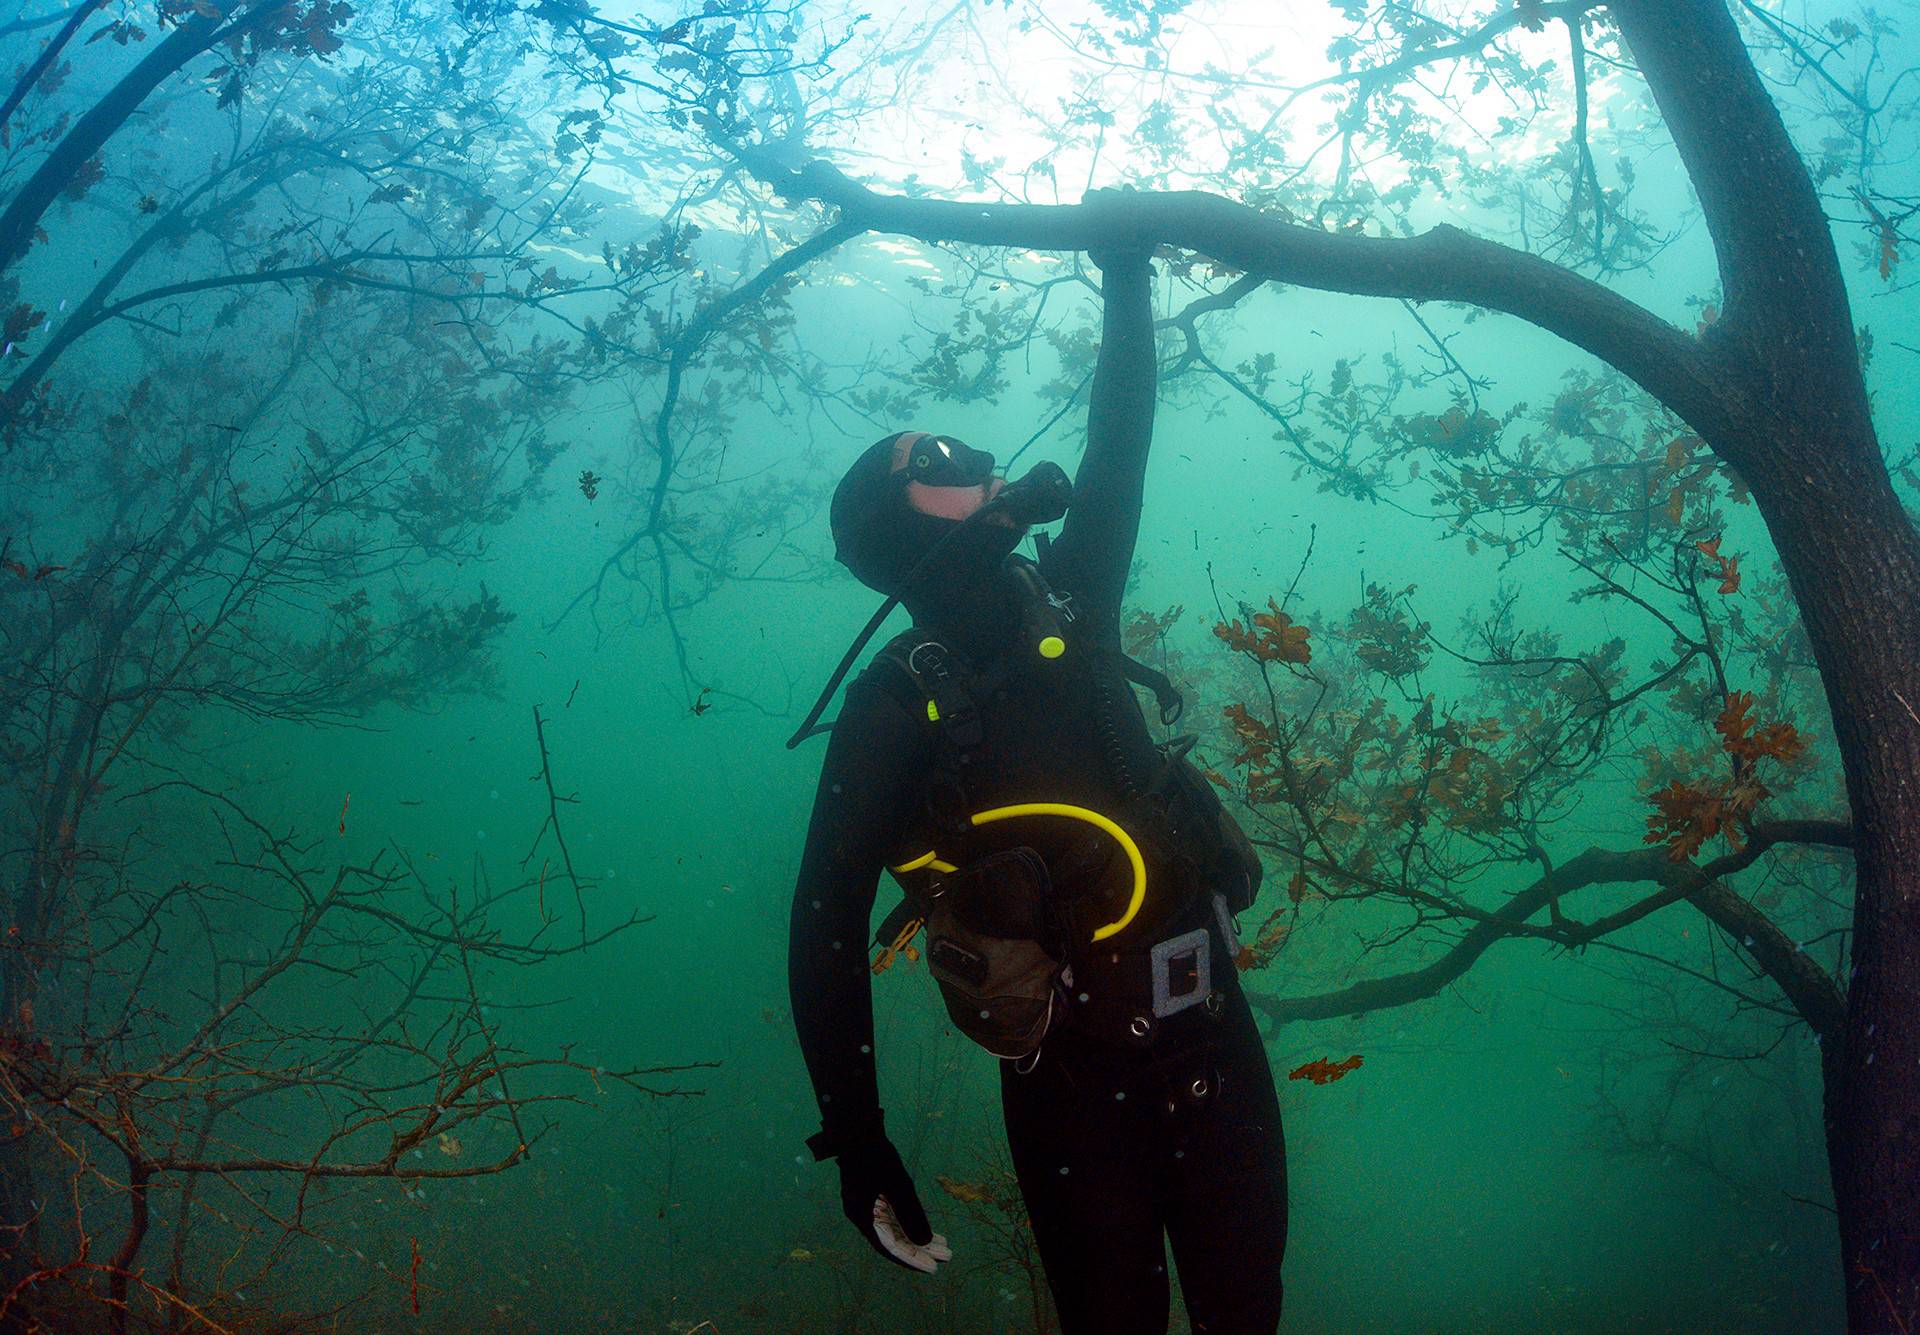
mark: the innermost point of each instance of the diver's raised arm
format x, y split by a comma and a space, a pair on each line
1095, 548
858, 811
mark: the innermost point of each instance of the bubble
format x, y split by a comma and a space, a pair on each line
479, 834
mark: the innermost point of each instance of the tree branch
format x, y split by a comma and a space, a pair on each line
104, 118
1441, 264
1812, 992
48, 54
1786, 300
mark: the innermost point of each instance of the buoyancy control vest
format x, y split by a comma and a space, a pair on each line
1066, 867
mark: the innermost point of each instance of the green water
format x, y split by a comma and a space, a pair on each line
1522, 1152
1569, 1141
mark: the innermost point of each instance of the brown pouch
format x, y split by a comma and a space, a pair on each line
993, 947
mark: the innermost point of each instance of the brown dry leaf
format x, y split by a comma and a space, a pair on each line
1323, 1071
963, 1191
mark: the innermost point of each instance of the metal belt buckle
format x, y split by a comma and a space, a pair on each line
1173, 954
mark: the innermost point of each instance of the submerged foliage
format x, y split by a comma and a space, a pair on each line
298, 331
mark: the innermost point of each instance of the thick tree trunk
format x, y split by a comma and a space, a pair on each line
1857, 583
1808, 448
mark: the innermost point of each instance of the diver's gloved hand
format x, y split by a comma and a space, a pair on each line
1117, 255
879, 1199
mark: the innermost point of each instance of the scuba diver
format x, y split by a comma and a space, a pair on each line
1076, 882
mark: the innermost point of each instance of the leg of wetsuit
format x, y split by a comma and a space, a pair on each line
1227, 1214
1091, 1169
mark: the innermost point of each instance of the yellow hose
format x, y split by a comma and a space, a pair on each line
1092, 818
926, 859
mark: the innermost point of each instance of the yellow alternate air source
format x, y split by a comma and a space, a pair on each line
931, 859
1093, 818
1052, 647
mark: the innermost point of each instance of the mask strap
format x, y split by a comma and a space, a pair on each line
903, 449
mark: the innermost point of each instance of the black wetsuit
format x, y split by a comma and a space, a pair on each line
1118, 1147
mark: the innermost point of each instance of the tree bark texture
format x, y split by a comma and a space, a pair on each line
1808, 450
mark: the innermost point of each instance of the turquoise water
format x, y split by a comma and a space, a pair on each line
1592, 1140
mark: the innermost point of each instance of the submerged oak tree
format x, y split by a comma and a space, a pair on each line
375, 203
1766, 390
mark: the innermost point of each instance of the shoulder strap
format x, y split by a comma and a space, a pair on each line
943, 682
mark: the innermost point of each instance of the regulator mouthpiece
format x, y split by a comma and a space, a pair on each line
1040, 497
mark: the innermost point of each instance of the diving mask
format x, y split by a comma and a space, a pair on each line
944, 477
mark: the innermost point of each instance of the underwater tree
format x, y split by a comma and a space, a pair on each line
1765, 396
283, 346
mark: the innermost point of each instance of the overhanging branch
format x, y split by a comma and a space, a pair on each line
1441, 264
1806, 986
